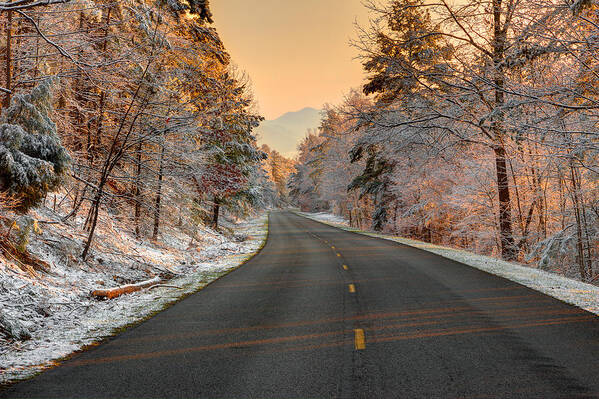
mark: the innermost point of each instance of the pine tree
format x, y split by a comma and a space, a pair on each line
406, 55
233, 155
32, 159
375, 181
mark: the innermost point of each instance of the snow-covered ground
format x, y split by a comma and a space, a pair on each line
328, 218
56, 308
583, 295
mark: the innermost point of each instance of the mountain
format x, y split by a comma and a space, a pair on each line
284, 133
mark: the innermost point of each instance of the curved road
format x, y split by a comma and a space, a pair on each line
324, 313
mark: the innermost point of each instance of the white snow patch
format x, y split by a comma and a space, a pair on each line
327, 218
577, 293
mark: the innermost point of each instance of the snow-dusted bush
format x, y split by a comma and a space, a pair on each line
24, 226
32, 159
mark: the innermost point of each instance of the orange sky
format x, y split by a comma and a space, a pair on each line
295, 51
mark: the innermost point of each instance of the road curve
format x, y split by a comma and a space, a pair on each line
325, 313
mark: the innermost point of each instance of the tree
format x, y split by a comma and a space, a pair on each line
305, 183
32, 160
279, 169
454, 69
233, 155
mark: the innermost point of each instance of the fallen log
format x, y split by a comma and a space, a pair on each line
124, 289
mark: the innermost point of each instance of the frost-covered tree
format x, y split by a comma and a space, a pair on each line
457, 69
278, 168
305, 183
32, 158
232, 152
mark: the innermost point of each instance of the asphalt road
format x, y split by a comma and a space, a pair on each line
293, 322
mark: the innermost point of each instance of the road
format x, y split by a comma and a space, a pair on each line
325, 313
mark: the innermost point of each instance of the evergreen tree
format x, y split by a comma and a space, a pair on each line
374, 180
32, 159
233, 156
406, 61
406, 55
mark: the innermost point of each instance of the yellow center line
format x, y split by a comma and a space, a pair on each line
359, 340
345, 267
332, 246
352, 288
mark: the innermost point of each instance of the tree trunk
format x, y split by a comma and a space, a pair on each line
517, 193
36, 70
580, 258
99, 127
138, 191
8, 58
93, 219
158, 194
102, 93
215, 211
508, 250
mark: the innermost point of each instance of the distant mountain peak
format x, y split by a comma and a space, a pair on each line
308, 109
285, 132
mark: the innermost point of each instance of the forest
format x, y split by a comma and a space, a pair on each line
476, 128
130, 108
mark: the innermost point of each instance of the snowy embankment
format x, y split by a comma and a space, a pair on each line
583, 295
56, 311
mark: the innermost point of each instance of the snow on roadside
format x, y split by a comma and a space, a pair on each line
59, 313
577, 293
327, 218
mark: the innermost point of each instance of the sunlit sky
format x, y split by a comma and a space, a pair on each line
296, 52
